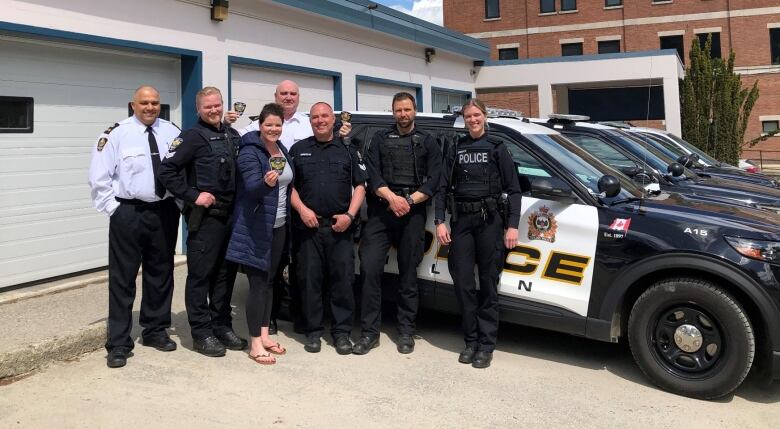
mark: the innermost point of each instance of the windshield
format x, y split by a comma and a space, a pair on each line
647, 153
693, 149
666, 147
587, 169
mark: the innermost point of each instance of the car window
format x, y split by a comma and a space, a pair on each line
693, 149
584, 166
602, 150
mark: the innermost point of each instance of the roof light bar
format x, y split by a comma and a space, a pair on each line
573, 118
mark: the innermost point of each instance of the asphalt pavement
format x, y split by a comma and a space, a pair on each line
538, 378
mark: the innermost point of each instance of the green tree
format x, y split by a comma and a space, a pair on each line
714, 105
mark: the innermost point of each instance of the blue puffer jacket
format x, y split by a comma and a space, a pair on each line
255, 210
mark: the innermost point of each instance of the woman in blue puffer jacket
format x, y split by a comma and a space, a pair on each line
260, 231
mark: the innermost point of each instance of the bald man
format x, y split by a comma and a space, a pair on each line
143, 223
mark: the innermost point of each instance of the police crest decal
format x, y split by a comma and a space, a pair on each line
542, 225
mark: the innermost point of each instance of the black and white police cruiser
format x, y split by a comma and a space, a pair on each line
628, 151
693, 285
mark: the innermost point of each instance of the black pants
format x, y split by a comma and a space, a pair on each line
326, 254
261, 287
407, 234
210, 278
140, 235
477, 241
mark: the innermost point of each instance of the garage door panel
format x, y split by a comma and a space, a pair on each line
42, 228
378, 97
44, 197
41, 179
52, 244
256, 86
48, 226
44, 163
67, 261
64, 212
32, 62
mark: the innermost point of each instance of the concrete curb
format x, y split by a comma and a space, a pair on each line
35, 356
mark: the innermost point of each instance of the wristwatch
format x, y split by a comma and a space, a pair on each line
410, 200
438, 222
349, 215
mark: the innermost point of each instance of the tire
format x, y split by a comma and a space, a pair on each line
665, 321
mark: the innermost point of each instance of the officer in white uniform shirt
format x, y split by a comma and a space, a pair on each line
296, 125
143, 224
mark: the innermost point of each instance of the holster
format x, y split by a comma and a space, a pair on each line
195, 217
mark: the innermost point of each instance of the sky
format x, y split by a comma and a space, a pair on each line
429, 10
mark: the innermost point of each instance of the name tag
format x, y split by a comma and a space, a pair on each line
304, 154
473, 158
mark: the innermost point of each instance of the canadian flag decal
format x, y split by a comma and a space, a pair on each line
620, 225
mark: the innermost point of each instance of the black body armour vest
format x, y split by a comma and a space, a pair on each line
404, 160
216, 173
476, 175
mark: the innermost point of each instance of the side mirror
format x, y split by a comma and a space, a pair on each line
630, 171
550, 188
609, 185
693, 157
685, 160
676, 169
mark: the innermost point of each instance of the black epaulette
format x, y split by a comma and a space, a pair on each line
174, 124
111, 128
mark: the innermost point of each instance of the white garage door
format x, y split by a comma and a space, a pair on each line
48, 226
256, 86
378, 97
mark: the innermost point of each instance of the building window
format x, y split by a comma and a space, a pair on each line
165, 111
570, 49
662, 1
492, 9
769, 126
444, 101
508, 54
715, 51
674, 42
547, 6
609, 46
774, 43
613, 3
568, 5
16, 114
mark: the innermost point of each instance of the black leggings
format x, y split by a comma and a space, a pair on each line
261, 287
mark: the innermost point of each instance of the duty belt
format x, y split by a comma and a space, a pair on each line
487, 204
137, 202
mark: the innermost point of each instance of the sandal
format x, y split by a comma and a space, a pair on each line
275, 348
263, 358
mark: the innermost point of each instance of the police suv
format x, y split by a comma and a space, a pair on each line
693, 284
642, 161
691, 156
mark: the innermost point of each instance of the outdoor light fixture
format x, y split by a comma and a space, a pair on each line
219, 10
429, 53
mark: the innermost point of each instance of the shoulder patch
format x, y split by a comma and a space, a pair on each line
101, 144
175, 143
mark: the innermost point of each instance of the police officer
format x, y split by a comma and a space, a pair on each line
200, 170
143, 224
328, 192
404, 166
477, 170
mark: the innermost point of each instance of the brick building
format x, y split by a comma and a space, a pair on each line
518, 30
